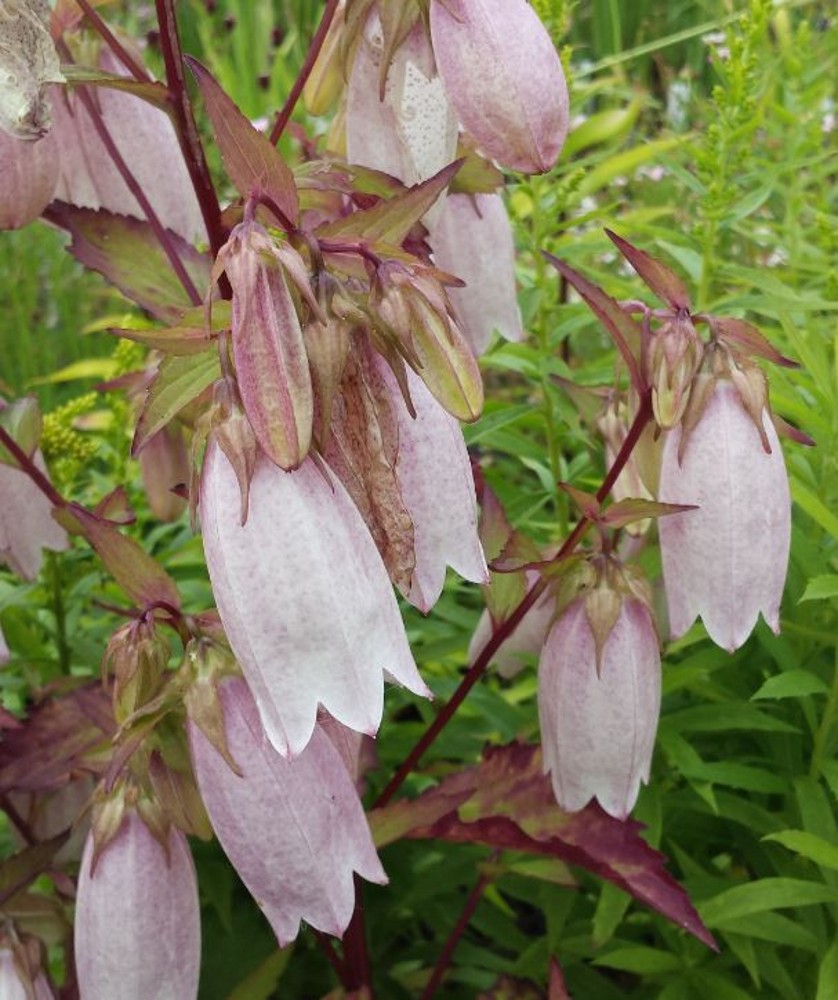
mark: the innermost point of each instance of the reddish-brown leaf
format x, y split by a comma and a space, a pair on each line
657, 276
747, 338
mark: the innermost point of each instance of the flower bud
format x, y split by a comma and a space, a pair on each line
598, 725
304, 598
137, 932
294, 830
137, 654
725, 562
503, 75
674, 358
472, 238
271, 365
30, 173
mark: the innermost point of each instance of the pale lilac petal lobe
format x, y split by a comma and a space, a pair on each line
472, 239
11, 986
26, 523
137, 928
30, 173
304, 598
598, 732
726, 561
294, 829
504, 77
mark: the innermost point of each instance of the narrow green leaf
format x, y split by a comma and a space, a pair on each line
815, 508
764, 895
641, 960
821, 588
263, 981
828, 975
791, 684
809, 846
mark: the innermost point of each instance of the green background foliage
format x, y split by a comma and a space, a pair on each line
715, 154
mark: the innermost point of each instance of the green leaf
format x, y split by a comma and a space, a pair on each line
764, 895
814, 507
809, 846
791, 684
253, 163
640, 960
178, 382
263, 981
722, 718
828, 974
821, 588
98, 368
152, 91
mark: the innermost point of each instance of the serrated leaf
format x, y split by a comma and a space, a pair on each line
507, 802
141, 577
390, 221
19, 870
762, 896
624, 330
253, 163
791, 684
821, 588
127, 253
808, 845
179, 381
663, 281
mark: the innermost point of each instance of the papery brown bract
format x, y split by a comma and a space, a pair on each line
725, 562
304, 598
503, 75
436, 483
137, 927
293, 829
28, 62
472, 238
147, 141
30, 172
598, 725
26, 523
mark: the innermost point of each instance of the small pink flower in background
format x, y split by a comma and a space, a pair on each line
137, 929
472, 238
598, 726
409, 130
725, 562
26, 523
304, 598
293, 829
504, 78
436, 482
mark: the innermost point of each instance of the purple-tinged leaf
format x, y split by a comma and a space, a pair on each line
625, 331
634, 509
586, 502
22, 868
748, 339
26, 522
179, 381
141, 577
30, 173
126, 252
253, 163
657, 276
507, 802
787, 430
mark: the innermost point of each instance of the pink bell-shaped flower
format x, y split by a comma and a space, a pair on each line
503, 75
293, 829
138, 934
26, 523
472, 238
726, 561
409, 132
598, 726
304, 598
437, 486
30, 173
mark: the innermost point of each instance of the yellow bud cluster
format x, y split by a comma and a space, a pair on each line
128, 356
63, 447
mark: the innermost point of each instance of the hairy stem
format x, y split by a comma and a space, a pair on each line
187, 130
317, 41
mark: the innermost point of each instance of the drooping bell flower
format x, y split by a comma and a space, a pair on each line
408, 129
28, 63
503, 75
599, 690
272, 369
146, 140
137, 927
26, 523
30, 172
294, 830
472, 238
436, 483
725, 562
304, 598
17, 981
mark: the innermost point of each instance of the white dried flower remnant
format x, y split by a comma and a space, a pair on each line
28, 63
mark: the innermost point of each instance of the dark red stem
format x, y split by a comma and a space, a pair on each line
190, 140
284, 115
506, 628
139, 72
30, 469
332, 956
356, 955
447, 952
